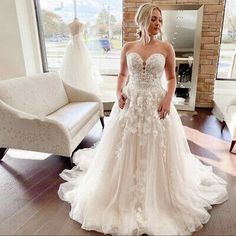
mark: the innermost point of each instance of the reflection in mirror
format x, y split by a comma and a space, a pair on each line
179, 28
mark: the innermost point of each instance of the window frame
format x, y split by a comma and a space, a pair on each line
41, 35
222, 25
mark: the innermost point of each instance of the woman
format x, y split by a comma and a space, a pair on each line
143, 177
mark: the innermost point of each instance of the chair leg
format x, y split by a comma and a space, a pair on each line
232, 145
102, 122
223, 125
72, 163
71, 160
3, 151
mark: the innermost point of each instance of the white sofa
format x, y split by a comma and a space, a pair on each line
42, 113
225, 108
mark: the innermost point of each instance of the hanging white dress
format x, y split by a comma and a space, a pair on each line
78, 69
141, 177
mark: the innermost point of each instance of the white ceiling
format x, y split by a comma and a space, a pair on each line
179, 28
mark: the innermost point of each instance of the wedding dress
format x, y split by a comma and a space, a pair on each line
141, 177
78, 69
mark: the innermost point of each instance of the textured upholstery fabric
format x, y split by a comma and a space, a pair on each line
84, 130
80, 113
40, 113
76, 95
24, 131
38, 95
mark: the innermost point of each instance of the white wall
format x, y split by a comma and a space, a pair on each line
11, 54
19, 46
225, 85
29, 36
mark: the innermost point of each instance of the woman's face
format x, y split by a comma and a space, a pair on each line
156, 23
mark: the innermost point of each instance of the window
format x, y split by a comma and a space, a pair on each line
102, 35
227, 61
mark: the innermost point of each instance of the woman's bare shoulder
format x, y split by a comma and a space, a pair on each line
168, 46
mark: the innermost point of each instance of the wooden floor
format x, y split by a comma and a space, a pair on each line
29, 203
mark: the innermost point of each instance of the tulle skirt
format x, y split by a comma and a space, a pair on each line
78, 69
141, 177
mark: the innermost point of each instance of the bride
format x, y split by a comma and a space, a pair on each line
142, 177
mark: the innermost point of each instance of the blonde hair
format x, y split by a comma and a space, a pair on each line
143, 19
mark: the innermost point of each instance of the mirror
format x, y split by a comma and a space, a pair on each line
182, 27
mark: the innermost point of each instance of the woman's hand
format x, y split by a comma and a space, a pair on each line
121, 100
164, 107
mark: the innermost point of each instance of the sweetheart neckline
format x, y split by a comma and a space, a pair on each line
148, 58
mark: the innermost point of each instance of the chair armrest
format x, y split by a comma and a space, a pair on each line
78, 95
22, 130
232, 102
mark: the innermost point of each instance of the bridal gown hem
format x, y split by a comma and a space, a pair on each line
141, 177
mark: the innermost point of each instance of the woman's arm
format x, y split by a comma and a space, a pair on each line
122, 77
164, 107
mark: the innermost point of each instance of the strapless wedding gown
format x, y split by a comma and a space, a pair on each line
78, 69
141, 177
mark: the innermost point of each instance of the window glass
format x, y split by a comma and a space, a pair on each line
227, 61
102, 35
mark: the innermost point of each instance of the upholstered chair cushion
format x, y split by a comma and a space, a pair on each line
38, 95
75, 115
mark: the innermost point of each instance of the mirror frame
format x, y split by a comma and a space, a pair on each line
196, 52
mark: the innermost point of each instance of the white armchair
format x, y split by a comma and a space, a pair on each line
225, 108
230, 121
42, 113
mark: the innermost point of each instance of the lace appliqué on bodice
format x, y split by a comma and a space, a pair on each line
144, 93
149, 70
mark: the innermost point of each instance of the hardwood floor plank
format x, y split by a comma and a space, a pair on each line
42, 215
52, 226
61, 215
25, 190
22, 215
